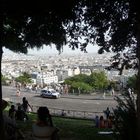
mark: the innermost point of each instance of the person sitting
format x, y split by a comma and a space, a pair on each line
101, 122
110, 122
43, 129
9, 124
11, 130
20, 114
63, 113
96, 121
12, 112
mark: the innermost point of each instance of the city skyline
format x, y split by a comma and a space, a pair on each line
52, 50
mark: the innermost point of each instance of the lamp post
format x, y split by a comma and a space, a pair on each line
42, 78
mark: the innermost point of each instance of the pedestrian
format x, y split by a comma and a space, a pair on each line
104, 95
18, 92
36, 88
25, 104
112, 92
107, 112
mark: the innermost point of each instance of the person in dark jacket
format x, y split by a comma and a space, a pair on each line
26, 105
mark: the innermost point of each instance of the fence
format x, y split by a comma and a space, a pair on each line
71, 113
67, 113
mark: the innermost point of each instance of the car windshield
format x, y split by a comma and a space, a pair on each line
53, 91
44, 91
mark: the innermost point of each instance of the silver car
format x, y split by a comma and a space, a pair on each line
50, 93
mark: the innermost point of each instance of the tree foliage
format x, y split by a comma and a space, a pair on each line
111, 24
25, 78
114, 25
80, 87
29, 24
125, 118
4, 80
78, 78
95, 81
131, 82
98, 80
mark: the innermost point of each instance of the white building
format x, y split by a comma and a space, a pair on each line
63, 74
76, 71
46, 79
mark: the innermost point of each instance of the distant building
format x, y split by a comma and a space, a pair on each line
46, 79
63, 74
76, 71
34, 78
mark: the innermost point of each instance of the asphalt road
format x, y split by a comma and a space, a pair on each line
91, 103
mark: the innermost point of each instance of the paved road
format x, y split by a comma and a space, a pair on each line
92, 103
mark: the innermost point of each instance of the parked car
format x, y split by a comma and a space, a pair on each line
50, 93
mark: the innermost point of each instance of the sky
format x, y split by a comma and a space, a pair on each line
52, 50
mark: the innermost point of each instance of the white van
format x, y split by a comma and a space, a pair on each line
50, 93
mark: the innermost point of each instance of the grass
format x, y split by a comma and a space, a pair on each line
70, 129
73, 129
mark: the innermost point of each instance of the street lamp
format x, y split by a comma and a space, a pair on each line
42, 78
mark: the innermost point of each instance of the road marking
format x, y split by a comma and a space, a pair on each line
84, 102
97, 103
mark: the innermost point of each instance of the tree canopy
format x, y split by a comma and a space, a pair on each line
99, 80
88, 83
131, 83
114, 25
28, 24
111, 24
25, 78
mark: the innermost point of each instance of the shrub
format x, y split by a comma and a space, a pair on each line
125, 117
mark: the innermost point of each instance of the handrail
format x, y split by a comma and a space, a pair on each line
71, 113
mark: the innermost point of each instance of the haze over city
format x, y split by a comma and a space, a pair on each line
52, 50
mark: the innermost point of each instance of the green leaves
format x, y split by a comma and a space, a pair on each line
110, 24
125, 117
24, 78
95, 81
98, 80
131, 83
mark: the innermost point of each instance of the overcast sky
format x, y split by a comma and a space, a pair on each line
52, 50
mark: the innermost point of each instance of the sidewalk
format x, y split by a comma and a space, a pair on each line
88, 97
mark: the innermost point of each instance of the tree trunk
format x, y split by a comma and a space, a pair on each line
1, 52
138, 80
1, 112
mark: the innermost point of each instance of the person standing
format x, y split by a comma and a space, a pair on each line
18, 92
26, 105
107, 112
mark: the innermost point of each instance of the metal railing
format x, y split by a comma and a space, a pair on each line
81, 114
71, 113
